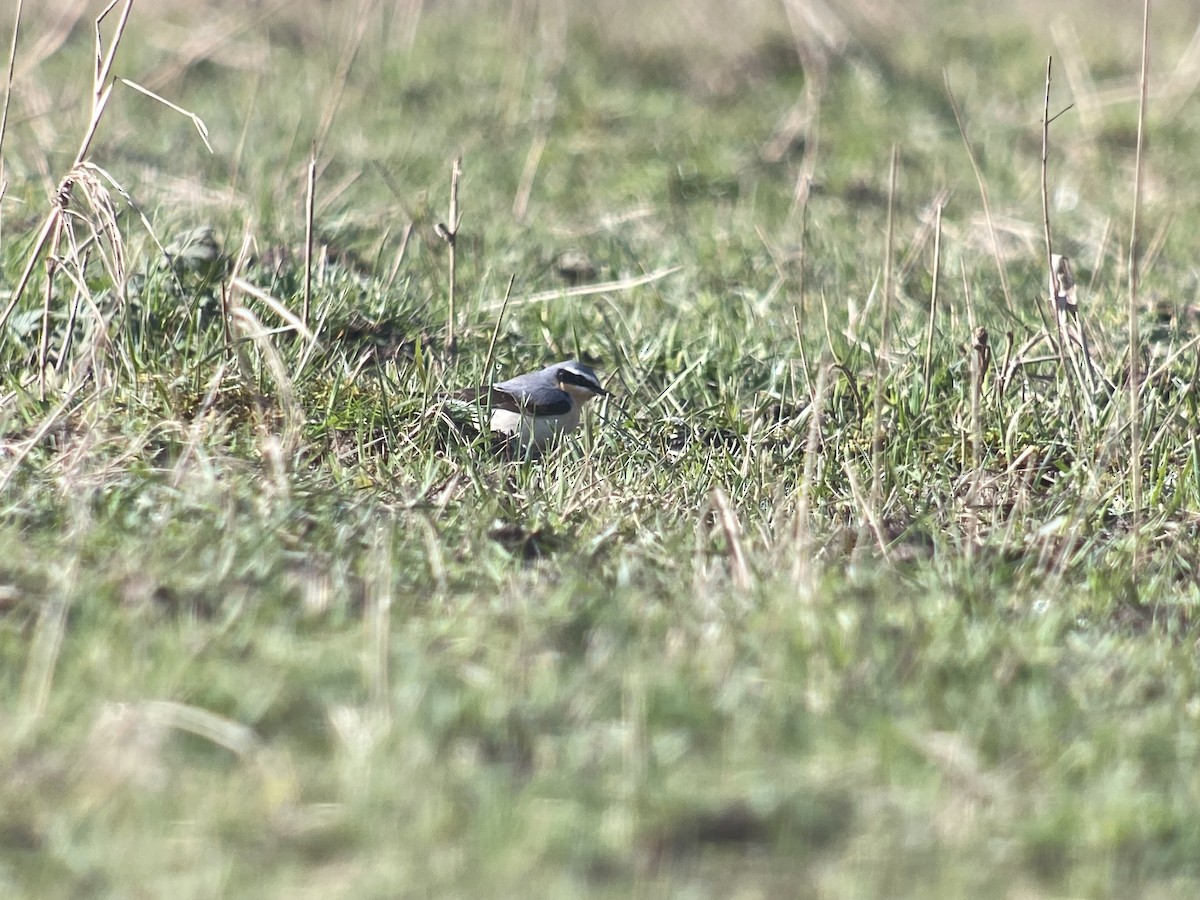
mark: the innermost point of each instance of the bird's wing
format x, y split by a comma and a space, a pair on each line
554, 403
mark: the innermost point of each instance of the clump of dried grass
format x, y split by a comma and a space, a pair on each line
80, 231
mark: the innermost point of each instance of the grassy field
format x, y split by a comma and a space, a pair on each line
851, 590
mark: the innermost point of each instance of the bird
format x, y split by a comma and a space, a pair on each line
529, 412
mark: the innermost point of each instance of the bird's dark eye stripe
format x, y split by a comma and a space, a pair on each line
566, 376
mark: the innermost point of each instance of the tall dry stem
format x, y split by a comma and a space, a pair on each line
1135, 448
449, 233
881, 357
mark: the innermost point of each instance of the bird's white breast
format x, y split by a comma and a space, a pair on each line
536, 430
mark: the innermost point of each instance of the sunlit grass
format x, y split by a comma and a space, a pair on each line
273, 624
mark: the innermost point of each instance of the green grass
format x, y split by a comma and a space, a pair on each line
271, 627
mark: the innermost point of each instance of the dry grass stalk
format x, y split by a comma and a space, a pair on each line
449, 233
46, 647
980, 362
277, 307
247, 327
309, 198
969, 300
407, 21
1185, 79
980, 359
219, 730
927, 370
1079, 76
549, 23
54, 32
8, 84
805, 117
363, 19
201, 128
1068, 361
732, 528
881, 355
871, 521
525, 186
588, 290
235, 40
1045, 185
927, 220
1135, 449
983, 196
491, 351
802, 530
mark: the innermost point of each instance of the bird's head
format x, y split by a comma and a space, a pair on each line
578, 380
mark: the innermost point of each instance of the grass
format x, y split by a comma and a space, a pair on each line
271, 626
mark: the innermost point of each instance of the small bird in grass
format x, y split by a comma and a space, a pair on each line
530, 411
